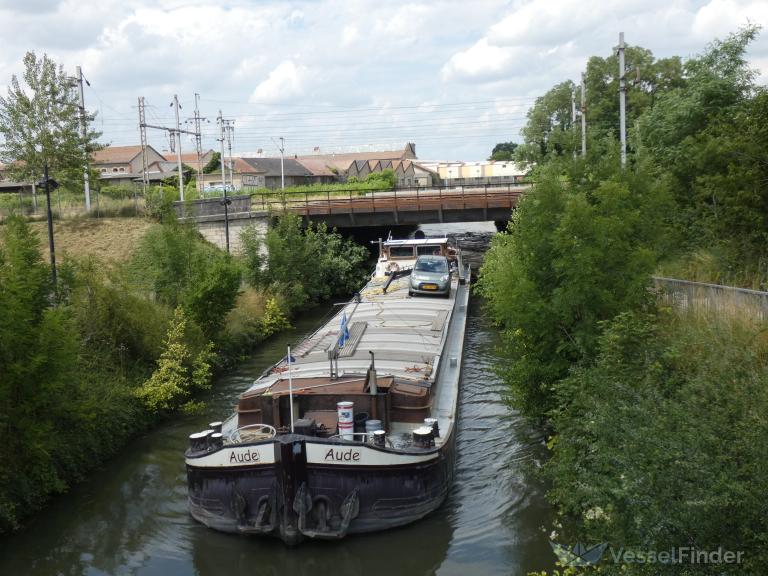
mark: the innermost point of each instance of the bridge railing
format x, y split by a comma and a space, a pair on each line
329, 201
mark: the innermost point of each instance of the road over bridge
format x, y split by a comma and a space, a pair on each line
350, 208
353, 208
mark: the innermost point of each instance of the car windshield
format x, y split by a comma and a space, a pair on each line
431, 265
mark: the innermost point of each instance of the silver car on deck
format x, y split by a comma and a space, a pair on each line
431, 275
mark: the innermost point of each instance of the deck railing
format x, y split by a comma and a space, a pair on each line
699, 297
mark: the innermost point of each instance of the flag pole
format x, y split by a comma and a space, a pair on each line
290, 388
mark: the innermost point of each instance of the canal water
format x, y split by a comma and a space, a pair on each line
130, 517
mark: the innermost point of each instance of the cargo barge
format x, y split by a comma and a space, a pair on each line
354, 430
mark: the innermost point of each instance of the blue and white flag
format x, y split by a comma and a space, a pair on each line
344, 336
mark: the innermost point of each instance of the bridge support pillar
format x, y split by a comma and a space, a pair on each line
212, 228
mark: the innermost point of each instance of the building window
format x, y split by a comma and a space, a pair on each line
122, 169
103, 170
114, 169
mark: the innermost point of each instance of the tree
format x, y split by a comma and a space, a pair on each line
213, 164
548, 131
647, 78
576, 255
504, 151
38, 377
40, 123
709, 140
303, 267
178, 374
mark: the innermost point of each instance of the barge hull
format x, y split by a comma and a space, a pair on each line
268, 499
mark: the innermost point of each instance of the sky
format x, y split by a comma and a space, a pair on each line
454, 77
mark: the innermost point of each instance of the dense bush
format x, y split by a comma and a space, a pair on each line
64, 400
575, 255
179, 373
661, 443
112, 349
159, 200
303, 267
84, 367
174, 265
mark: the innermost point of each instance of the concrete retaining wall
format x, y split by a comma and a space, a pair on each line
214, 230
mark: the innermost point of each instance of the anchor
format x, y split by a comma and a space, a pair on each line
266, 513
303, 503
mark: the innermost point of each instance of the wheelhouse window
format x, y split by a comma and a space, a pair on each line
428, 250
401, 251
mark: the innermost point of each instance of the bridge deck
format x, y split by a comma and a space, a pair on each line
311, 204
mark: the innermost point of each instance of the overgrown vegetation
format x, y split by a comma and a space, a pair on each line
303, 267
113, 348
383, 180
576, 254
655, 417
661, 441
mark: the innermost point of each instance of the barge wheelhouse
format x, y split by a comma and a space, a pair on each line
354, 430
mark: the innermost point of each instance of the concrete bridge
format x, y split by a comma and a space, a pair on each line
354, 208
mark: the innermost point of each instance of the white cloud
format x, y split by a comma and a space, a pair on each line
406, 23
296, 18
482, 60
286, 81
350, 35
721, 17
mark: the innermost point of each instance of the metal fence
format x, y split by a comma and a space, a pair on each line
699, 297
202, 207
69, 205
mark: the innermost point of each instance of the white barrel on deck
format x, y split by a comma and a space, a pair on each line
346, 419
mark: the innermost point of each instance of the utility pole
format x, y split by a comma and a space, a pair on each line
583, 115
230, 128
622, 100
143, 135
222, 130
84, 128
173, 134
282, 165
176, 107
198, 145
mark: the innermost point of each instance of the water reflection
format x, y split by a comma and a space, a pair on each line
418, 549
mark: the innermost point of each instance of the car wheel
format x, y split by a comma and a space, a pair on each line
410, 293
